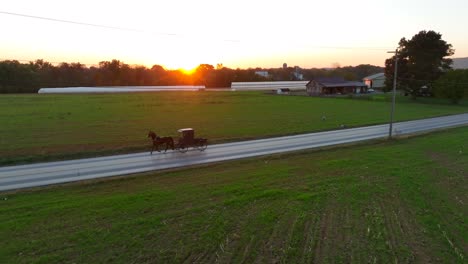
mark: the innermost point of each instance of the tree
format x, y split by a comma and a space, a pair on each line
361, 71
112, 73
17, 78
452, 85
424, 59
158, 75
202, 73
402, 73
223, 77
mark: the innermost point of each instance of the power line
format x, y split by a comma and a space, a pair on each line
100, 26
83, 23
165, 33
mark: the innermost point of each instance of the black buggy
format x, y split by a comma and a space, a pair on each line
188, 139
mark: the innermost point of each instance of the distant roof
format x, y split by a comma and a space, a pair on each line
374, 76
460, 63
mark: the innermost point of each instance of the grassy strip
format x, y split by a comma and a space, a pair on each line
44, 127
399, 201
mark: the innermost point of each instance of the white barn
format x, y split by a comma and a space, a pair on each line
375, 81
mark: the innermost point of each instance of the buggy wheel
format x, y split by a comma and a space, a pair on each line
202, 145
183, 149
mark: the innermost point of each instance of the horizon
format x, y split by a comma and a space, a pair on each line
57, 63
184, 35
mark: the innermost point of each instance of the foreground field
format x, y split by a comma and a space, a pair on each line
48, 127
402, 201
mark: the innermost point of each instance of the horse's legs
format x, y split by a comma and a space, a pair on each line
155, 146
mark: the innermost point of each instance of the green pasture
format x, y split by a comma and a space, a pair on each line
400, 201
46, 127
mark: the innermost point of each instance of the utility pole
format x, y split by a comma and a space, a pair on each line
394, 93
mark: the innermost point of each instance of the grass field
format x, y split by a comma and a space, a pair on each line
403, 201
48, 127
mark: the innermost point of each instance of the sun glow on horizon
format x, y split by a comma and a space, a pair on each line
186, 60
185, 67
188, 71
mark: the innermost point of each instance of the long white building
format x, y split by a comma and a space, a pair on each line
269, 86
122, 89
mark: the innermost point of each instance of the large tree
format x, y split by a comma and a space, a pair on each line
423, 58
202, 74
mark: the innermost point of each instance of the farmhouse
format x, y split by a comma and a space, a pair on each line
375, 81
335, 85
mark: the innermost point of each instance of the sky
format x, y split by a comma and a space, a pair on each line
238, 34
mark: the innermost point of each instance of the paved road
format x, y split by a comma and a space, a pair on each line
16, 177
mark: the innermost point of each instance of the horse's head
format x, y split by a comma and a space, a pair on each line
152, 135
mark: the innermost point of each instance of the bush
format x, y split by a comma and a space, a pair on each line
452, 85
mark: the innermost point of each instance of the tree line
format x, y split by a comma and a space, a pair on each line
424, 69
16, 77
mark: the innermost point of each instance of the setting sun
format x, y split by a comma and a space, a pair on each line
185, 62
188, 71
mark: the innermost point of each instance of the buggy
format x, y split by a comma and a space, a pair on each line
188, 139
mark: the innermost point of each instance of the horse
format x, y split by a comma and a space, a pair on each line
157, 141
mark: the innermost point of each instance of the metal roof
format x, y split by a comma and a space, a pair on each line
344, 84
338, 82
185, 129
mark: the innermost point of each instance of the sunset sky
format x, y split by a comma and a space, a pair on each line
241, 33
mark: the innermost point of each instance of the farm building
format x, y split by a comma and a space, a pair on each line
336, 85
268, 86
375, 81
122, 89
263, 73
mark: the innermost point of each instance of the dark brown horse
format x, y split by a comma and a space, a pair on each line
158, 141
